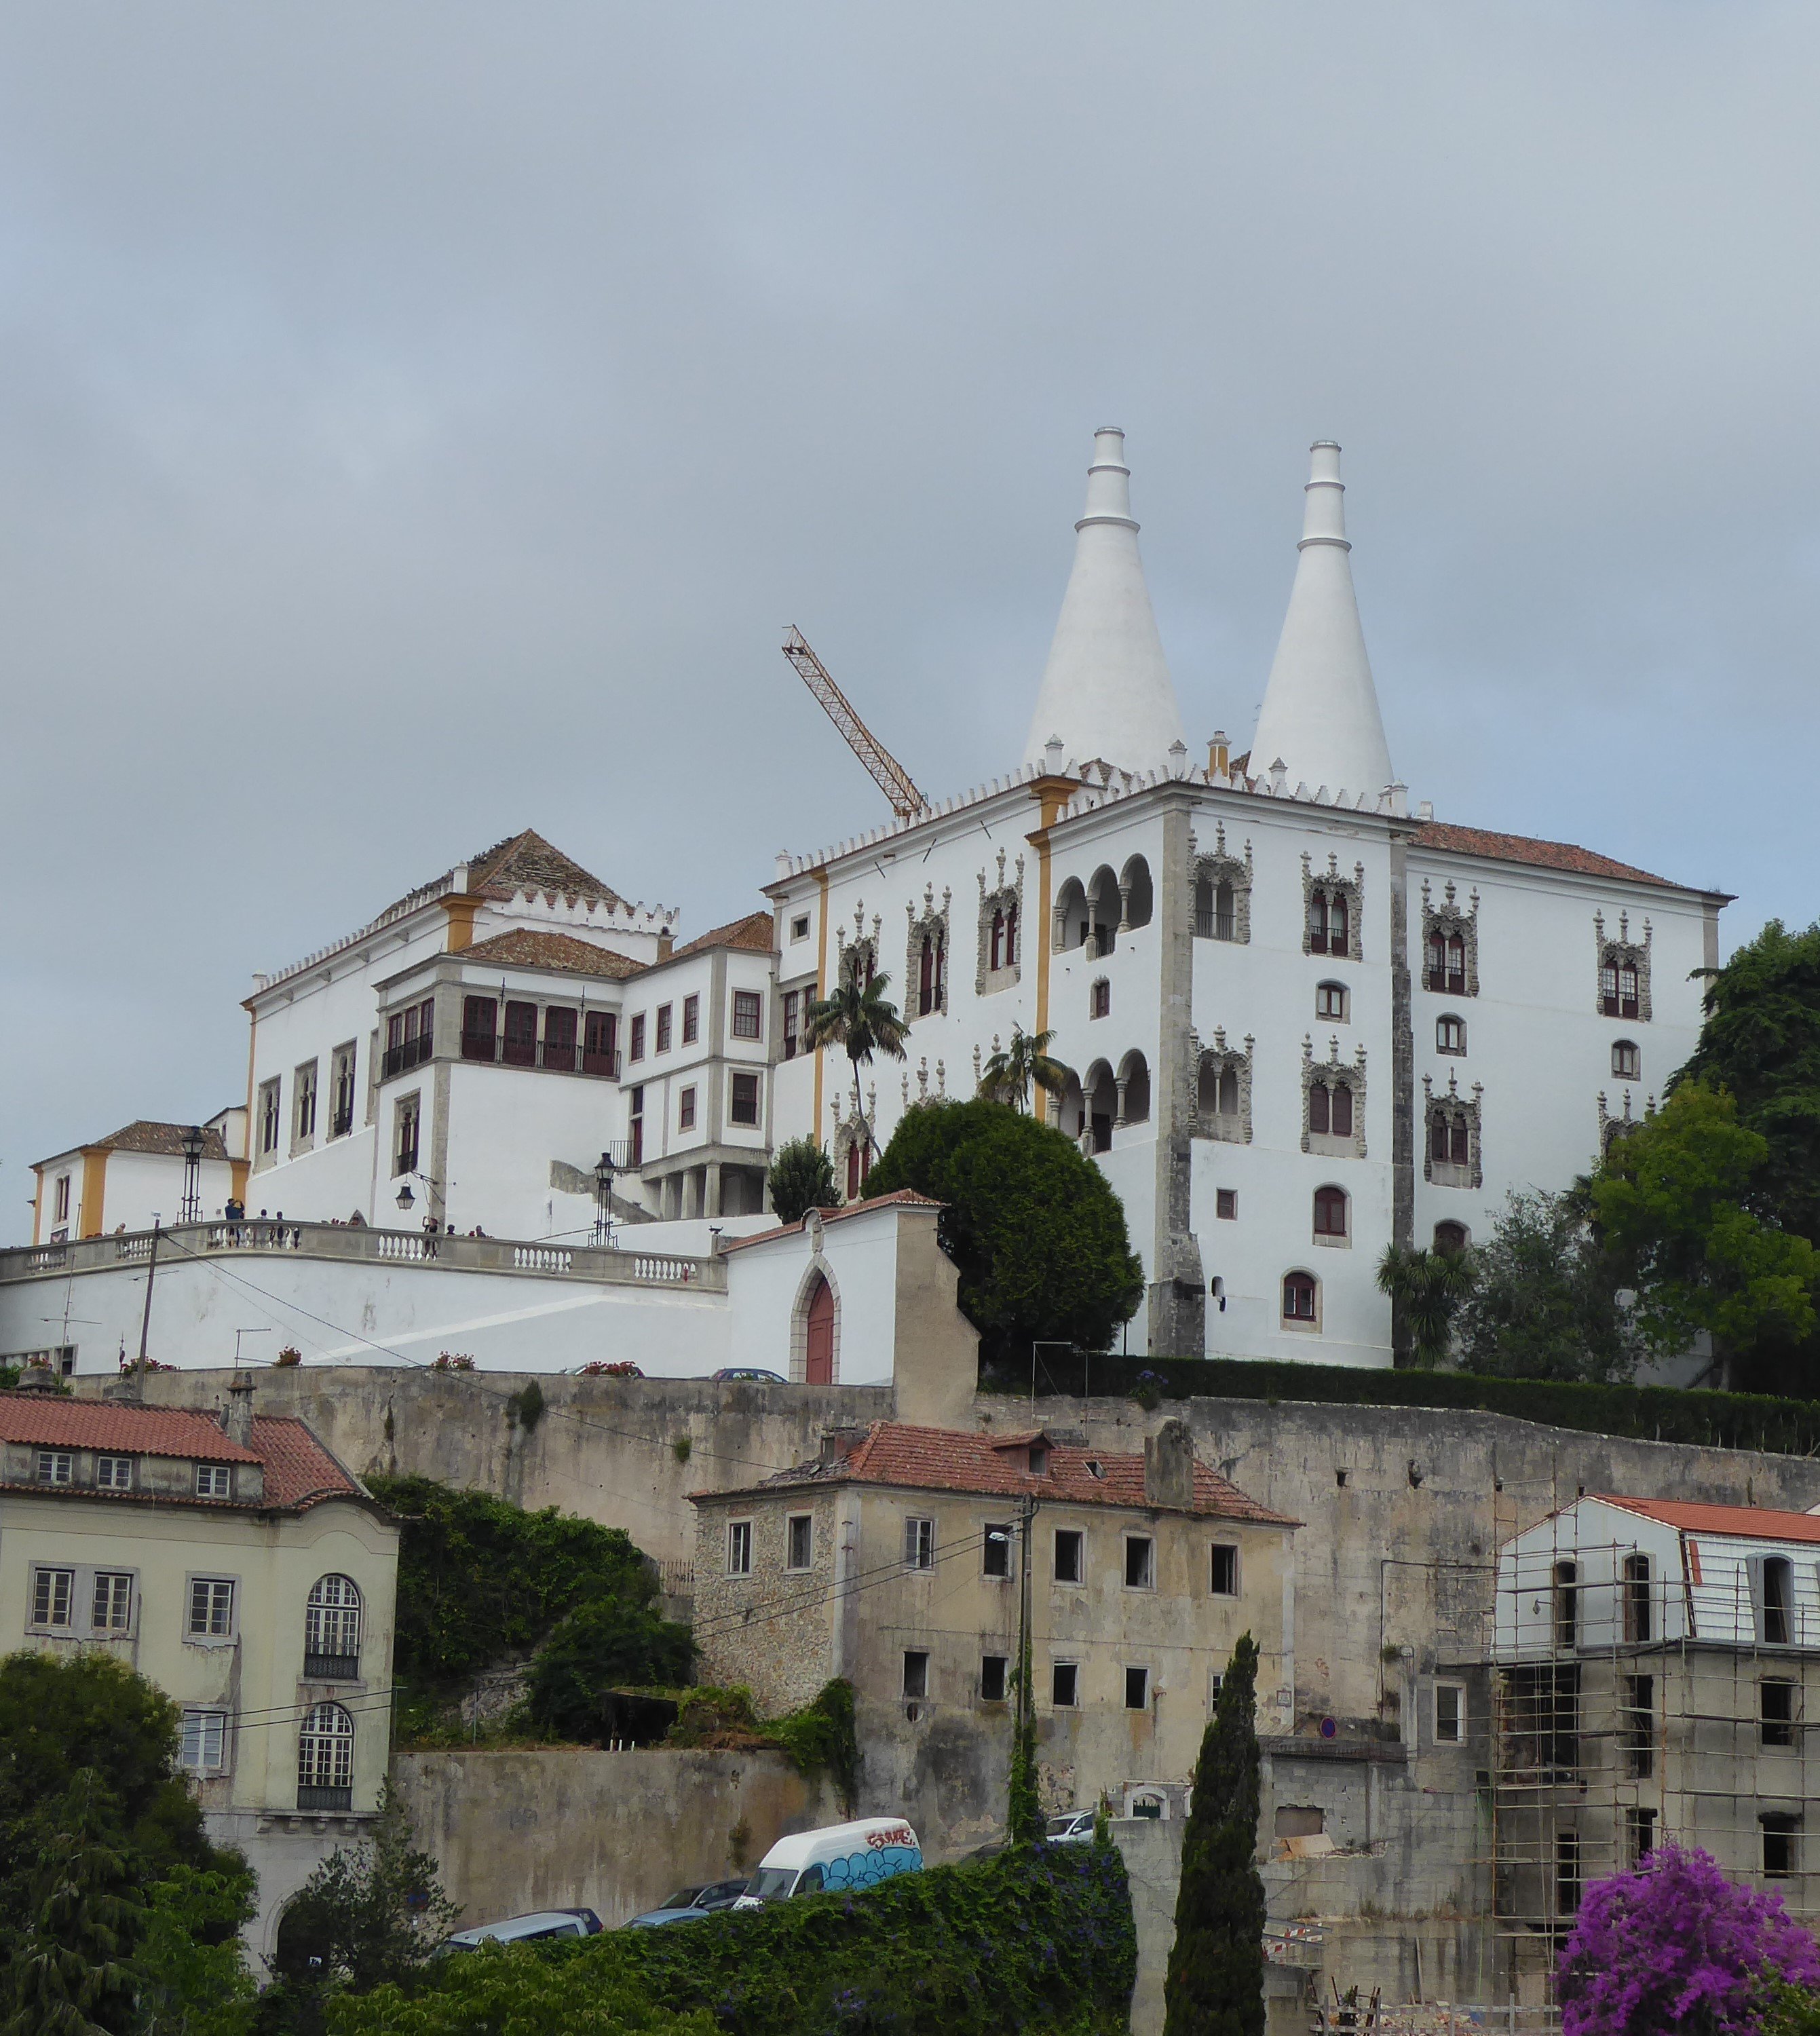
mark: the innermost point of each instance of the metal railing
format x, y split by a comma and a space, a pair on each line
528, 1257
492, 1050
412, 1053
1216, 925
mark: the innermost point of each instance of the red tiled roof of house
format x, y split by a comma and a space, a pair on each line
1521, 848
1753, 1523
145, 1135
299, 1470
755, 933
528, 947
527, 862
899, 1198
893, 1453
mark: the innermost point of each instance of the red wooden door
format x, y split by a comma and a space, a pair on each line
820, 1369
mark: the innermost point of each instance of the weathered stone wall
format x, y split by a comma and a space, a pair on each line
786, 1653
612, 1832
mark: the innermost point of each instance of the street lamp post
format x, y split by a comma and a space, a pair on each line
604, 1172
190, 1209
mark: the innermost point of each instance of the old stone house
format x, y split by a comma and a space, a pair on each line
903, 1557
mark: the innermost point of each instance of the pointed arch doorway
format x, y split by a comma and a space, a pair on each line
819, 1347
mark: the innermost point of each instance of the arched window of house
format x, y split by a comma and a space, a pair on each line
1298, 1298
1338, 938
325, 1759
1455, 966
1229, 1091
1437, 960
1225, 914
1140, 899
1331, 1000
859, 1165
1134, 1074
1102, 1105
1449, 1034
332, 1630
1342, 1110
819, 1348
1070, 914
1330, 1212
1627, 1059
1107, 906
1451, 1238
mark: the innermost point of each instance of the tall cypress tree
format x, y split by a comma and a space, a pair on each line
1215, 1985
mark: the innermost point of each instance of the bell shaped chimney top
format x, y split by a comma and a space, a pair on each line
1319, 713
1106, 692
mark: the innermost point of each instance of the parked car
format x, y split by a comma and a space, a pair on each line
748, 1371
531, 1929
1074, 1828
689, 1902
839, 1856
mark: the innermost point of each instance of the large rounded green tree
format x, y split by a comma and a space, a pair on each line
1034, 1227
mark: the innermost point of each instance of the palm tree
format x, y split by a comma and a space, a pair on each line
1427, 1287
860, 1017
1010, 1072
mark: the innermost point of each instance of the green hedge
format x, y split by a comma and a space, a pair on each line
1655, 1413
1039, 1941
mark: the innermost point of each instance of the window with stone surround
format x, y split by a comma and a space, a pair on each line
1332, 909
1000, 931
1449, 944
1623, 970
926, 955
1451, 1144
800, 1531
1332, 1103
739, 1548
1223, 1090
1221, 891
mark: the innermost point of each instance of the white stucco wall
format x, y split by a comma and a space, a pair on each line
767, 1280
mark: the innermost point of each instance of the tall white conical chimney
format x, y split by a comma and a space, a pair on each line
1106, 691
1319, 714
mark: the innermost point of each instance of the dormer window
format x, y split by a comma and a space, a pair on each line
213, 1481
56, 1466
1038, 1459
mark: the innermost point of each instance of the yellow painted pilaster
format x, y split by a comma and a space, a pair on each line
1051, 795
460, 906
821, 988
90, 1211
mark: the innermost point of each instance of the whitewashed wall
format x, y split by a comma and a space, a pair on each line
765, 1280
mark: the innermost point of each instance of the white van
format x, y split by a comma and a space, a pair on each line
838, 1857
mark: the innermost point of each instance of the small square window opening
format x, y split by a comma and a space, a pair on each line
802, 1542
1139, 1562
1222, 1579
1226, 1205
1064, 1685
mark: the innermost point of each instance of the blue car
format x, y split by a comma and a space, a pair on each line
689, 1902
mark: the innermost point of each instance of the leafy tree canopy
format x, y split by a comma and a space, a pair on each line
1035, 1228
1760, 1044
1672, 1204
801, 1178
603, 1643
70, 1973
1427, 1288
1214, 1983
192, 1972
1544, 1301
480, 1580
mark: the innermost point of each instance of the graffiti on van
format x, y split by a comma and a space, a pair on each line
868, 1868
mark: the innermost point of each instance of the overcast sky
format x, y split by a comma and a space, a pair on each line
418, 422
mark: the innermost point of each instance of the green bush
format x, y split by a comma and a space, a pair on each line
480, 1580
1039, 1940
1657, 1413
1035, 1228
600, 1645
801, 1178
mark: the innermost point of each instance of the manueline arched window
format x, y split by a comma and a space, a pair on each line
332, 1630
1011, 936
325, 1759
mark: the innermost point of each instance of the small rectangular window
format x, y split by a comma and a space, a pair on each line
1099, 1000
112, 1609
1226, 1205
1223, 1570
1449, 1713
692, 1020
342, 1070
1069, 1555
1064, 1685
993, 1672
792, 1019
56, 1466
919, 1544
406, 1117
53, 1592
663, 1044
1638, 1735
636, 1051
916, 1673
268, 1117
1140, 1556
1639, 1618
749, 1009
62, 1199
739, 1549
686, 1111
1776, 1697
211, 1607
1780, 1835
802, 1541
1137, 1689
800, 927
201, 1747
995, 1554
1640, 1834
114, 1473
213, 1481
744, 1106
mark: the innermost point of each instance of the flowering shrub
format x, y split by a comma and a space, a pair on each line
600, 1367
1673, 1947
451, 1360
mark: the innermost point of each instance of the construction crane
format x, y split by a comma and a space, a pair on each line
889, 774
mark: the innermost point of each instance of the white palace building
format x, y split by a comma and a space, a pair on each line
1305, 1019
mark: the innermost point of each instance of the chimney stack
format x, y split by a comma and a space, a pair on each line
1169, 1467
237, 1419
1219, 756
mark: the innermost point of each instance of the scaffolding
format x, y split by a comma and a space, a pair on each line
1636, 1698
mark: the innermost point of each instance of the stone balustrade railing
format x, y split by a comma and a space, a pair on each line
445, 1252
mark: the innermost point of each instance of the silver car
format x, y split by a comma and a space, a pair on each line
537, 1928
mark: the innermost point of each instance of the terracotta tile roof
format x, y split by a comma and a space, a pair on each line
527, 862
892, 1453
1519, 848
899, 1198
299, 1471
526, 947
1755, 1523
166, 1140
755, 933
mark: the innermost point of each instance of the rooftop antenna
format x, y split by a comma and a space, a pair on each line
889, 774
